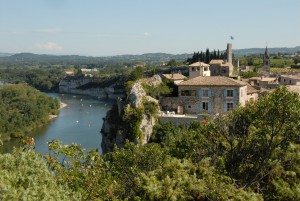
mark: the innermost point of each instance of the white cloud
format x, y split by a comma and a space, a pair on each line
50, 46
49, 30
147, 34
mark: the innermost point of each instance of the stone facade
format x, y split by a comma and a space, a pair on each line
220, 68
289, 79
198, 69
206, 99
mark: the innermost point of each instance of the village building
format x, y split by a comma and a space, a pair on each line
175, 77
219, 67
198, 69
209, 95
262, 81
244, 69
289, 79
266, 63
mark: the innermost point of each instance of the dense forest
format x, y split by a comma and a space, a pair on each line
23, 108
249, 154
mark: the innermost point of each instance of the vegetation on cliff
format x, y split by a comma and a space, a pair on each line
23, 108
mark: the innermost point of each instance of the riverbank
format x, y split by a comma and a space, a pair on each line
61, 105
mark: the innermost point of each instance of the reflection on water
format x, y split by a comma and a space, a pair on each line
79, 122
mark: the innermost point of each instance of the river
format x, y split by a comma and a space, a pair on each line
79, 122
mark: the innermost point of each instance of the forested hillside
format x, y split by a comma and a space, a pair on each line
23, 108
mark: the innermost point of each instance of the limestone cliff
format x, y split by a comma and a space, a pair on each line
100, 88
131, 117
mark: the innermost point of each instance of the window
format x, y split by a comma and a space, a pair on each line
290, 81
188, 93
204, 106
205, 92
229, 93
205, 69
229, 107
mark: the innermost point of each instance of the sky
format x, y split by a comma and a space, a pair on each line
116, 27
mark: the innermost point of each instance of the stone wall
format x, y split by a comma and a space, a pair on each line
216, 99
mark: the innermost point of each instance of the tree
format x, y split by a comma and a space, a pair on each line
136, 74
24, 175
254, 135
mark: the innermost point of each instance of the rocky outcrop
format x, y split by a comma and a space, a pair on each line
112, 133
100, 88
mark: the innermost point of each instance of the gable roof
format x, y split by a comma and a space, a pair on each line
216, 61
212, 81
196, 64
251, 90
174, 76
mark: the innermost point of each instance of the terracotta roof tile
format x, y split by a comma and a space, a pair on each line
212, 81
174, 76
199, 64
216, 61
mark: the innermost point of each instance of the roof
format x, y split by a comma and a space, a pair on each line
212, 81
295, 77
174, 76
251, 90
216, 61
199, 64
263, 78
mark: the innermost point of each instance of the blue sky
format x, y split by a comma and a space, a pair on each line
114, 27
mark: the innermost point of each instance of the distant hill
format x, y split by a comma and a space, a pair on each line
37, 59
2, 54
251, 51
149, 58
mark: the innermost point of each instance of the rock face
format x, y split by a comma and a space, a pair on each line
99, 88
111, 125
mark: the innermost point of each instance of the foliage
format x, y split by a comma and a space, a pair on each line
83, 173
252, 153
258, 62
249, 74
136, 73
183, 180
23, 108
132, 119
157, 91
256, 145
24, 175
44, 79
207, 56
150, 108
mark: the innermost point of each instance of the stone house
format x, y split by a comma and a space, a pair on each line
289, 79
175, 77
219, 67
198, 69
207, 95
262, 81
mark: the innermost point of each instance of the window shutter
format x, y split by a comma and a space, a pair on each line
200, 93
201, 105
234, 105
209, 107
209, 93
225, 92
235, 93
225, 107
